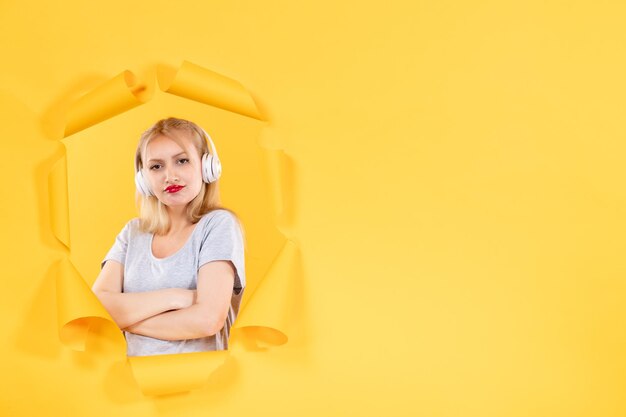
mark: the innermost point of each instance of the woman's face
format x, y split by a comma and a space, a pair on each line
174, 174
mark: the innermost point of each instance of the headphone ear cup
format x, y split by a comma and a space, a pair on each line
142, 184
217, 167
211, 168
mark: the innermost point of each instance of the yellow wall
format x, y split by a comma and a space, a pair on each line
458, 173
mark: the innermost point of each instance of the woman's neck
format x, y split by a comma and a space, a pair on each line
178, 219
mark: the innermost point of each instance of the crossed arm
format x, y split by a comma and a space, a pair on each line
169, 313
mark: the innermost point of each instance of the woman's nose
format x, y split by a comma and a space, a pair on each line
170, 174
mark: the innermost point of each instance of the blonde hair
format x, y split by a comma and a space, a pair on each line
153, 217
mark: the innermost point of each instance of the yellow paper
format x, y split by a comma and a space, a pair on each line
459, 209
171, 374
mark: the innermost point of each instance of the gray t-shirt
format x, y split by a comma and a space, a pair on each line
216, 236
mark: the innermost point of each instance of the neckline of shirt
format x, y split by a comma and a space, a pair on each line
189, 239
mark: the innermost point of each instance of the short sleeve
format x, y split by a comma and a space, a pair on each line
223, 241
119, 248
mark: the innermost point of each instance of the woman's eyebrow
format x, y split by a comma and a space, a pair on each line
175, 156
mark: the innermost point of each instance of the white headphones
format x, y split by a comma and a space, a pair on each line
211, 169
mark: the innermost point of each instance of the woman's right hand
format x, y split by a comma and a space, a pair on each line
182, 298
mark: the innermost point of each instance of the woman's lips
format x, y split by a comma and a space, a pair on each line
174, 188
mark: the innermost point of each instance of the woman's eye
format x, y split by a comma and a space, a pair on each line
181, 161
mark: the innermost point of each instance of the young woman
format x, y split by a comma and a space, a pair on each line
174, 278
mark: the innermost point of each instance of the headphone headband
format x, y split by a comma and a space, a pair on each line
212, 145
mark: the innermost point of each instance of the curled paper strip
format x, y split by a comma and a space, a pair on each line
208, 87
111, 98
263, 320
57, 184
79, 311
97, 127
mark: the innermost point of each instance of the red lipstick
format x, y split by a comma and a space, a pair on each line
174, 188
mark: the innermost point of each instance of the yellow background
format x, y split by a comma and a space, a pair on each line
459, 196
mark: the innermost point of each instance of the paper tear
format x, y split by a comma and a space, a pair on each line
281, 174
265, 316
